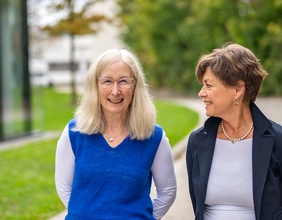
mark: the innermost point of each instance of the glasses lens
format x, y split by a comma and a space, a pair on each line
122, 82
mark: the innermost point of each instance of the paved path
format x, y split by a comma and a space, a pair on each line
182, 208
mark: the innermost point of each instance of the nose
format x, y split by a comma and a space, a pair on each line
115, 89
202, 93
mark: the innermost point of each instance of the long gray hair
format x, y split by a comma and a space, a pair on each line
141, 114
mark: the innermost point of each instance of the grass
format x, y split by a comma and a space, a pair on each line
27, 188
27, 182
176, 120
58, 109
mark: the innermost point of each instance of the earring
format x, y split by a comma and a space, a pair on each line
235, 102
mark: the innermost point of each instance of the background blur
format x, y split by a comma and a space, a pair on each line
51, 43
168, 35
47, 46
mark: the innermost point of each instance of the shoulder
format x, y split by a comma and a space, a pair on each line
192, 140
72, 123
276, 130
264, 125
158, 128
158, 131
73, 135
156, 135
276, 127
209, 127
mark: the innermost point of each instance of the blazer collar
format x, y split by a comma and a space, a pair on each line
263, 142
206, 143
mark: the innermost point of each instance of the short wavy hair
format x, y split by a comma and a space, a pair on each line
142, 113
232, 63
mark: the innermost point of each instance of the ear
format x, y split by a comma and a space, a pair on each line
240, 88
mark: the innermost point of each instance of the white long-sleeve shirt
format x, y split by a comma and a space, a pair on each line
162, 171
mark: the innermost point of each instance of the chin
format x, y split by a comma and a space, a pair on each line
208, 114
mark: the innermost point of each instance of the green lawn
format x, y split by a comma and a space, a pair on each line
27, 189
176, 120
27, 182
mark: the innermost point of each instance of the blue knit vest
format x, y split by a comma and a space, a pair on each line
112, 183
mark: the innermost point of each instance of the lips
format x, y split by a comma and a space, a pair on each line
115, 100
207, 103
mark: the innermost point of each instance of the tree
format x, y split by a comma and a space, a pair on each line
79, 19
160, 44
175, 33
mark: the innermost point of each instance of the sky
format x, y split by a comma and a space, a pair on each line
40, 15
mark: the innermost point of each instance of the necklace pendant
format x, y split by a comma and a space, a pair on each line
233, 141
110, 139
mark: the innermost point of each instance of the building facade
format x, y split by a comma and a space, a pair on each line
15, 95
50, 55
26, 65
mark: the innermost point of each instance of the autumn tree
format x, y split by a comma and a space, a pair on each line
80, 19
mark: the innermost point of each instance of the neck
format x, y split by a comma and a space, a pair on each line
112, 135
236, 122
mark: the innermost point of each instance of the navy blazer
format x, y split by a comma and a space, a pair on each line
267, 162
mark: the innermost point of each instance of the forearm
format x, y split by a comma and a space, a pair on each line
64, 167
164, 178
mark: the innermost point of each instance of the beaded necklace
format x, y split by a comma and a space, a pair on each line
236, 139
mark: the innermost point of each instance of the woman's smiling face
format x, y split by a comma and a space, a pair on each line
116, 88
217, 97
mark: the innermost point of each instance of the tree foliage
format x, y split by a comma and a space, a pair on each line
79, 19
170, 36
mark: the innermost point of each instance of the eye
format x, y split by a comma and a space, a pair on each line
123, 81
107, 81
208, 85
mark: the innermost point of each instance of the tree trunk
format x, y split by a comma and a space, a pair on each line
72, 71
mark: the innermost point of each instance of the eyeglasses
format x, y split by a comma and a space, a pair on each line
123, 83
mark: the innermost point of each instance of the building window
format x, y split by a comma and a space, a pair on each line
62, 66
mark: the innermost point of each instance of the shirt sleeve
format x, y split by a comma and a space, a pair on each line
164, 178
64, 167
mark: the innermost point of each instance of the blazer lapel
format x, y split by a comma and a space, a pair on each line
262, 149
206, 144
